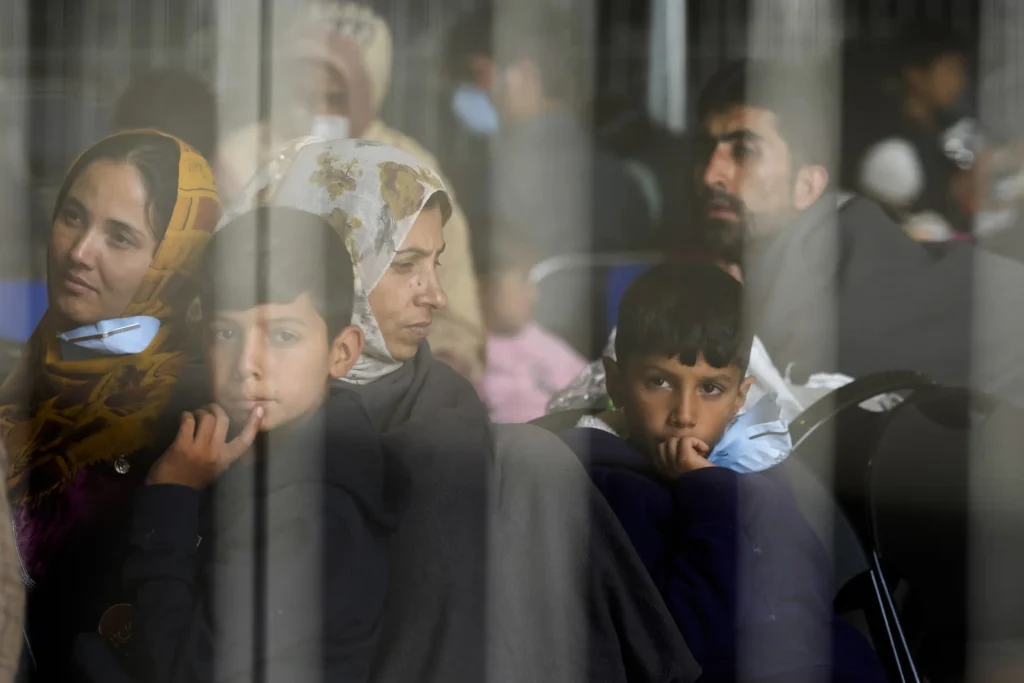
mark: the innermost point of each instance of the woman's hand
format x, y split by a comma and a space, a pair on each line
201, 453
681, 455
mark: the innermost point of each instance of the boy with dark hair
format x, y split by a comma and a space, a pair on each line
694, 482
277, 332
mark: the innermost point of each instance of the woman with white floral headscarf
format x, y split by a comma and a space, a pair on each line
507, 567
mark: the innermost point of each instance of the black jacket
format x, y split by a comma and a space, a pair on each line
331, 500
745, 577
83, 580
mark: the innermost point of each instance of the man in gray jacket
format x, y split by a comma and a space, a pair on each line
834, 284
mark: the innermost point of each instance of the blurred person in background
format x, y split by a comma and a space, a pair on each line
928, 105
92, 401
891, 174
549, 176
526, 364
339, 69
172, 101
470, 119
767, 195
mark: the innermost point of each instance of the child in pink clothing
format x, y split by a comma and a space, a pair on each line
526, 364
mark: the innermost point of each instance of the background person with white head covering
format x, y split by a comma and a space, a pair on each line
507, 566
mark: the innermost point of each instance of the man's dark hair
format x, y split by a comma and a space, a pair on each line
685, 312
470, 35
287, 251
918, 44
794, 94
172, 101
154, 156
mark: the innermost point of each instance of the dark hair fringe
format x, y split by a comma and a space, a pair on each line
289, 242
685, 311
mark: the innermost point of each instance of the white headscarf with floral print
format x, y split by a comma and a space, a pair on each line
372, 194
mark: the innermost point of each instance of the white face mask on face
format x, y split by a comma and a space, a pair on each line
330, 127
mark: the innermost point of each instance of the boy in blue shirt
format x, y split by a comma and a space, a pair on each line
693, 478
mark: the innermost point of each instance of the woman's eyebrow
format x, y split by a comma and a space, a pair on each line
121, 225
420, 251
71, 200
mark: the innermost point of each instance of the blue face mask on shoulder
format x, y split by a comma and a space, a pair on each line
755, 441
475, 109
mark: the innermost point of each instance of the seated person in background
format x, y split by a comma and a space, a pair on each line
174, 102
526, 364
331, 495
742, 572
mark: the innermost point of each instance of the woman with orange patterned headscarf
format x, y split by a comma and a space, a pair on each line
87, 408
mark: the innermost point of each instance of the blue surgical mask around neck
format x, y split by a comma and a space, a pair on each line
117, 337
475, 109
755, 441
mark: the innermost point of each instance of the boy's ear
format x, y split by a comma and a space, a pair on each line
741, 396
613, 381
345, 350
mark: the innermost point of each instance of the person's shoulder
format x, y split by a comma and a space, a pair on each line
358, 467
855, 210
440, 374
343, 401
347, 419
600, 448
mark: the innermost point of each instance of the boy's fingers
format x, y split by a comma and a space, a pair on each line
220, 431
676, 449
665, 457
698, 445
241, 443
205, 422
187, 430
